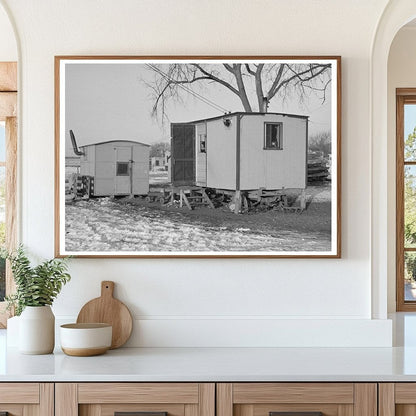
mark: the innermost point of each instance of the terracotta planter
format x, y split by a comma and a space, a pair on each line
37, 330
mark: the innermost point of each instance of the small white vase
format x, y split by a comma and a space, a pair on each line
37, 330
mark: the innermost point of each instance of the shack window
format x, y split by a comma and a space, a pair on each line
273, 136
122, 169
202, 143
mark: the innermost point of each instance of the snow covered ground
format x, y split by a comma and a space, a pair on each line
101, 225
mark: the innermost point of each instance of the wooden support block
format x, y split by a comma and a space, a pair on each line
206, 197
185, 199
303, 200
237, 202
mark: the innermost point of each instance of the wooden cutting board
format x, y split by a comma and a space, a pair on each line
107, 309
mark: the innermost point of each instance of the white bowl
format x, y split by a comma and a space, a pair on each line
84, 340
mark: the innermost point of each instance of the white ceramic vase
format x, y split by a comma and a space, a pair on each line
37, 330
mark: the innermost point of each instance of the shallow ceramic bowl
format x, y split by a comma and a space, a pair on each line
84, 340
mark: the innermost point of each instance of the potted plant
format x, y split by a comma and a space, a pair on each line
36, 289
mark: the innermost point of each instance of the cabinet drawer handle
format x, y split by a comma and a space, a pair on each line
295, 413
139, 414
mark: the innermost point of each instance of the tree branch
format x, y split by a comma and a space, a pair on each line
249, 70
274, 88
216, 79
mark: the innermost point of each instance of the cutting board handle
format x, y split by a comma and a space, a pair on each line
107, 289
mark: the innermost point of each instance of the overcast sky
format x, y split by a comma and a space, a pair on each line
112, 101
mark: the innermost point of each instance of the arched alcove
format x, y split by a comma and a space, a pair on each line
396, 15
401, 74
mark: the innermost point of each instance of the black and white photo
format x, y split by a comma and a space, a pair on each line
198, 157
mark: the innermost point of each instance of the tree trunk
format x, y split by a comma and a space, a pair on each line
242, 89
263, 105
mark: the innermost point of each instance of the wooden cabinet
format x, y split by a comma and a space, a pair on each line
268, 399
208, 399
108, 399
27, 399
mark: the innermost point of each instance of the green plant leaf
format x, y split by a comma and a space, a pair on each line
35, 286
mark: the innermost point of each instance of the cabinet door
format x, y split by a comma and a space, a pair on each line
26, 399
297, 399
397, 399
142, 399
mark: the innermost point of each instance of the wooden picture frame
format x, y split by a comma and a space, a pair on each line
198, 156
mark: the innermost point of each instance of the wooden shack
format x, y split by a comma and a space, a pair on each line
116, 167
241, 152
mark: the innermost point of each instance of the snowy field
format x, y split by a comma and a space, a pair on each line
101, 225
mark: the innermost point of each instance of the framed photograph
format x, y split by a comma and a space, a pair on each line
198, 156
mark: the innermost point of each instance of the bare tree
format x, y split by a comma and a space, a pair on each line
255, 84
321, 142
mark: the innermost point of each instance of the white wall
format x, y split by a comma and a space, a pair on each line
212, 302
8, 46
401, 74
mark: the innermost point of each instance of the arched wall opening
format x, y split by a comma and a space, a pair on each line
384, 73
401, 74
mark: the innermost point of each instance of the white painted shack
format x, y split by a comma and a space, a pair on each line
241, 152
118, 167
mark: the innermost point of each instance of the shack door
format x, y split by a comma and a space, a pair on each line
183, 154
123, 178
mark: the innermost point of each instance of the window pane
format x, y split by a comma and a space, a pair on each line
273, 136
410, 206
122, 168
410, 132
409, 275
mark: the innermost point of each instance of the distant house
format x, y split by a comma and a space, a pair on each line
115, 167
241, 152
158, 163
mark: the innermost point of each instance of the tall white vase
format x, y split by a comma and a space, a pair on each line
37, 330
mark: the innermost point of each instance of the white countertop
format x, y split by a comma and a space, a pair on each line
221, 364
215, 364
